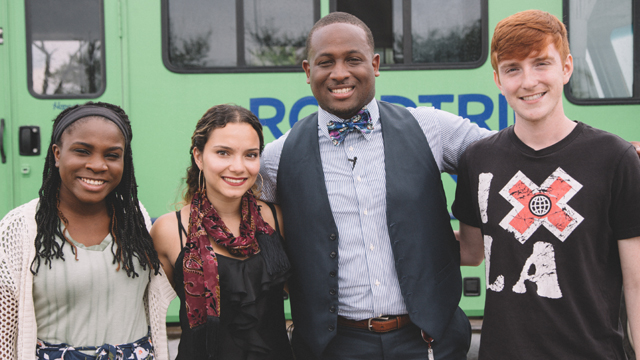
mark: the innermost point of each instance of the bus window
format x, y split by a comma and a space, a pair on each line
65, 48
236, 35
602, 45
424, 34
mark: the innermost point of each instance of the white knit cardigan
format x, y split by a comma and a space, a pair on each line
18, 328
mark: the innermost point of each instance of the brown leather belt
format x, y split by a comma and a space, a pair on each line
380, 324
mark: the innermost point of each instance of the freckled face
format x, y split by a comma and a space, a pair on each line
230, 161
341, 69
533, 86
90, 159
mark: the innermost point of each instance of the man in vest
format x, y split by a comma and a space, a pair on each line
375, 262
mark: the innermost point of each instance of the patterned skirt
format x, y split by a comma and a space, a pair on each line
141, 349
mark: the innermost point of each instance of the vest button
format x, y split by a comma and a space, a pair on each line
331, 328
332, 274
332, 309
332, 292
333, 254
332, 237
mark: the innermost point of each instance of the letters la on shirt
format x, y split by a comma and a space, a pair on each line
551, 220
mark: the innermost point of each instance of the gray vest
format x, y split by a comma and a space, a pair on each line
427, 255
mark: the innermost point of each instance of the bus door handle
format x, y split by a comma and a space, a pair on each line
29, 140
4, 157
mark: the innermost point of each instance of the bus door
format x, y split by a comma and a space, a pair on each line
6, 163
62, 53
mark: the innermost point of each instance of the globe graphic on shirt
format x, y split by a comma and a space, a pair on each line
540, 205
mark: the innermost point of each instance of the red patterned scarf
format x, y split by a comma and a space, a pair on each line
200, 265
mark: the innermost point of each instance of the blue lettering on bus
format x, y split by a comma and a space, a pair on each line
503, 111
272, 122
297, 107
58, 106
463, 103
435, 100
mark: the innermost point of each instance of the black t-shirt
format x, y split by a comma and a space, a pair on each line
551, 220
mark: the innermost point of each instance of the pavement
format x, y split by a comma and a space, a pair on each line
476, 329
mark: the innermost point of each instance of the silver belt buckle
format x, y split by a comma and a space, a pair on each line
369, 326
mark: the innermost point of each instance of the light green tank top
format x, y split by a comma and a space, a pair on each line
87, 302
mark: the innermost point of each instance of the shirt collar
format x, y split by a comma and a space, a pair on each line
324, 117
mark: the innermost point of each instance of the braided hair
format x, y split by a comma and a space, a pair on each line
127, 228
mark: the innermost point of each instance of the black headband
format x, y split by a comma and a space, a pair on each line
86, 111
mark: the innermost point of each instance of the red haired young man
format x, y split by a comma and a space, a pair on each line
556, 217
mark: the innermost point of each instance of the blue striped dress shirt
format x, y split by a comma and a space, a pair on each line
367, 278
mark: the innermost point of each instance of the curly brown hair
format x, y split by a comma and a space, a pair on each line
216, 117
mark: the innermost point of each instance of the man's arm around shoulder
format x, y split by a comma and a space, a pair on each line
269, 162
448, 135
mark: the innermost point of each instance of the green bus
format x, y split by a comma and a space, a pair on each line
165, 62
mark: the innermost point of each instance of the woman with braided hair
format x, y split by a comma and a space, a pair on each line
223, 249
79, 276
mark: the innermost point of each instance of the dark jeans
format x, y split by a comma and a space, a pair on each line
402, 344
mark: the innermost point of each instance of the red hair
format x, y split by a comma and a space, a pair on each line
527, 33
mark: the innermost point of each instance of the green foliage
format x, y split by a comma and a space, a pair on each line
463, 44
274, 50
186, 53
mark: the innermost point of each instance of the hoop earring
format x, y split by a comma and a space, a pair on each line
201, 182
261, 182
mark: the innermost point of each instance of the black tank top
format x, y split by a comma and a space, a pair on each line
251, 309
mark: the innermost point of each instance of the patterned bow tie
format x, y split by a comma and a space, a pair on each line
339, 130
